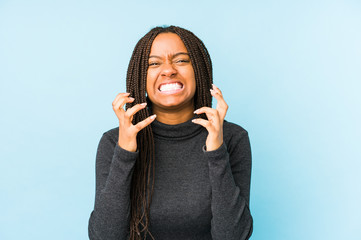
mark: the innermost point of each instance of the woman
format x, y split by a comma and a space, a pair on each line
174, 169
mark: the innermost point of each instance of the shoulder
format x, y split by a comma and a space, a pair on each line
110, 137
235, 136
113, 133
237, 141
231, 129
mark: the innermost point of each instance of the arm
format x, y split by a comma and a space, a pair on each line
115, 161
230, 173
114, 167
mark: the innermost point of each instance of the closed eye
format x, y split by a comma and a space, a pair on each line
182, 61
153, 64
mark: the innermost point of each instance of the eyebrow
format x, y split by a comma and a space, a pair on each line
175, 55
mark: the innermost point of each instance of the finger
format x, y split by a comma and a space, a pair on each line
119, 96
119, 104
133, 110
216, 94
203, 123
216, 89
222, 106
211, 113
118, 107
139, 126
206, 110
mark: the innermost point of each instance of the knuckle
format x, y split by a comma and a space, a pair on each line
131, 131
138, 127
138, 106
134, 106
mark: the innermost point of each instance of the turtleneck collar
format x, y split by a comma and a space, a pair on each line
182, 130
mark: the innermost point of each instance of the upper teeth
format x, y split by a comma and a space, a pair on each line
170, 86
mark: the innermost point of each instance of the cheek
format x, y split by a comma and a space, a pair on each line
149, 82
192, 76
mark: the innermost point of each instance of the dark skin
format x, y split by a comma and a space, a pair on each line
171, 88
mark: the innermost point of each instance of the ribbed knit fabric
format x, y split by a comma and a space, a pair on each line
197, 194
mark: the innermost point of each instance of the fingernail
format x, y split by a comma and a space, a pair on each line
130, 98
195, 111
194, 120
127, 93
153, 116
143, 104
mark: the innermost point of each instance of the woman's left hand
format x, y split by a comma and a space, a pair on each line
214, 124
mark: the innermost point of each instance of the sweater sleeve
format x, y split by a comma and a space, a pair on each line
230, 174
114, 168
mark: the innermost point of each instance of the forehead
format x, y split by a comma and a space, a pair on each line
167, 43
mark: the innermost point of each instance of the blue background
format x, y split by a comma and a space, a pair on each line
289, 70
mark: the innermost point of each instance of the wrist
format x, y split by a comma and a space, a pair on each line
212, 145
127, 146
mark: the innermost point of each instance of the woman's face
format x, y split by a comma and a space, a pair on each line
170, 79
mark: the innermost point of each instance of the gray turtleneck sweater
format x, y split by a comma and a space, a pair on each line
197, 194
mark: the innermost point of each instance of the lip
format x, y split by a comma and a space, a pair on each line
170, 91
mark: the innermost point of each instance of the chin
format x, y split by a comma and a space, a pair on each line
173, 103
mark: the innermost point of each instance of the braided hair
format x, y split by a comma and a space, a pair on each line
143, 175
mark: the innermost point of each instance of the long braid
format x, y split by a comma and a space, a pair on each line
142, 187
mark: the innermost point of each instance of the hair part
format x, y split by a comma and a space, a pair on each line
142, 186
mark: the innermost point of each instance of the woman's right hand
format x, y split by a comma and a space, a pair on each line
127, 131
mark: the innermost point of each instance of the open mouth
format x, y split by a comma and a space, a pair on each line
169, 88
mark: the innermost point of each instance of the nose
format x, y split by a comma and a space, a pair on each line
168, 70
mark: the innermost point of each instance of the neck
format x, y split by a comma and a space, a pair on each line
174, 116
